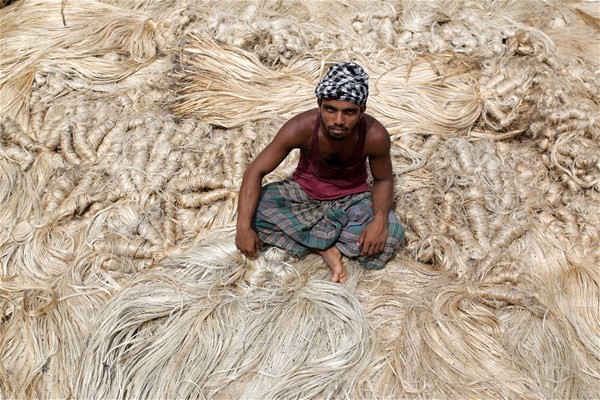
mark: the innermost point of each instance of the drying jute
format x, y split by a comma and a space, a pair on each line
125, 130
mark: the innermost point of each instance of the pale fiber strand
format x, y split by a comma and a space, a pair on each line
311, 370
206, 92
106, 30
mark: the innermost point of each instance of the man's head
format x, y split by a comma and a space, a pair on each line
344, 81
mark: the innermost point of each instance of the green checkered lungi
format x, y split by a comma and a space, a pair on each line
288, 218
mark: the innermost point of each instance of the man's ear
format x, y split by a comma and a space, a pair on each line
319, 102
363, 109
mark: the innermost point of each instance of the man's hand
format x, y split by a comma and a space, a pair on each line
247, 241
373, 237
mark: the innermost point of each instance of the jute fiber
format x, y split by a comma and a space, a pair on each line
126, 127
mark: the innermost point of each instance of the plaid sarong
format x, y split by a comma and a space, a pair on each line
288, 218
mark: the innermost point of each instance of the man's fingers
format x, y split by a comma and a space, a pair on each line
371, 249
248, 253
366, 250
251, 249
361, 237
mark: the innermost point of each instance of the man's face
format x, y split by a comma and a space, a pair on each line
339, 118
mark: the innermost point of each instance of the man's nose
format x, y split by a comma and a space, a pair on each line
339, 118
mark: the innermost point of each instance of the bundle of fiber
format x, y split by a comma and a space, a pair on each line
90, 39
208, 71
534, 92
226, 86
54, 322
125, 131
574, 30
207, 324
279, 32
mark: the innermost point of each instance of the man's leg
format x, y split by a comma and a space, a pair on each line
286, 217
394, 238
274, 218
360, 213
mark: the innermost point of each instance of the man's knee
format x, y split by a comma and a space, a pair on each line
395, 228
395, 237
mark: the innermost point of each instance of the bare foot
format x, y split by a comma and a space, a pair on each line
333, 259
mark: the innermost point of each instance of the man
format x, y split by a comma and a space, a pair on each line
327, 206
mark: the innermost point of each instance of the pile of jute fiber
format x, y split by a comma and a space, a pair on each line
125, 130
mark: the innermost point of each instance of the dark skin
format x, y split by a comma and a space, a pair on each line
337, 138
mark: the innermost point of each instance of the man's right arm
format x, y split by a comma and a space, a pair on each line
289, 137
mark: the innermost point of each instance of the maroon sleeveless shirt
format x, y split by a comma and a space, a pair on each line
324, 182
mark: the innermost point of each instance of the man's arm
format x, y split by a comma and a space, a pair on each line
373, 236
289, 137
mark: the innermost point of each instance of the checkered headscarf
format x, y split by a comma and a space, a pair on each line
345, 81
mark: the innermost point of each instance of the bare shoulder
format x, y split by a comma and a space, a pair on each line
378, 138
297, 131
305, 120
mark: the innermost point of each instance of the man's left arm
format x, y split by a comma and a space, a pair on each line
373, 236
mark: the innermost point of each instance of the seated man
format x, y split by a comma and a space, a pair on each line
327, 206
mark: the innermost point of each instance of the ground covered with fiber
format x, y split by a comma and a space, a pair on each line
125, 129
